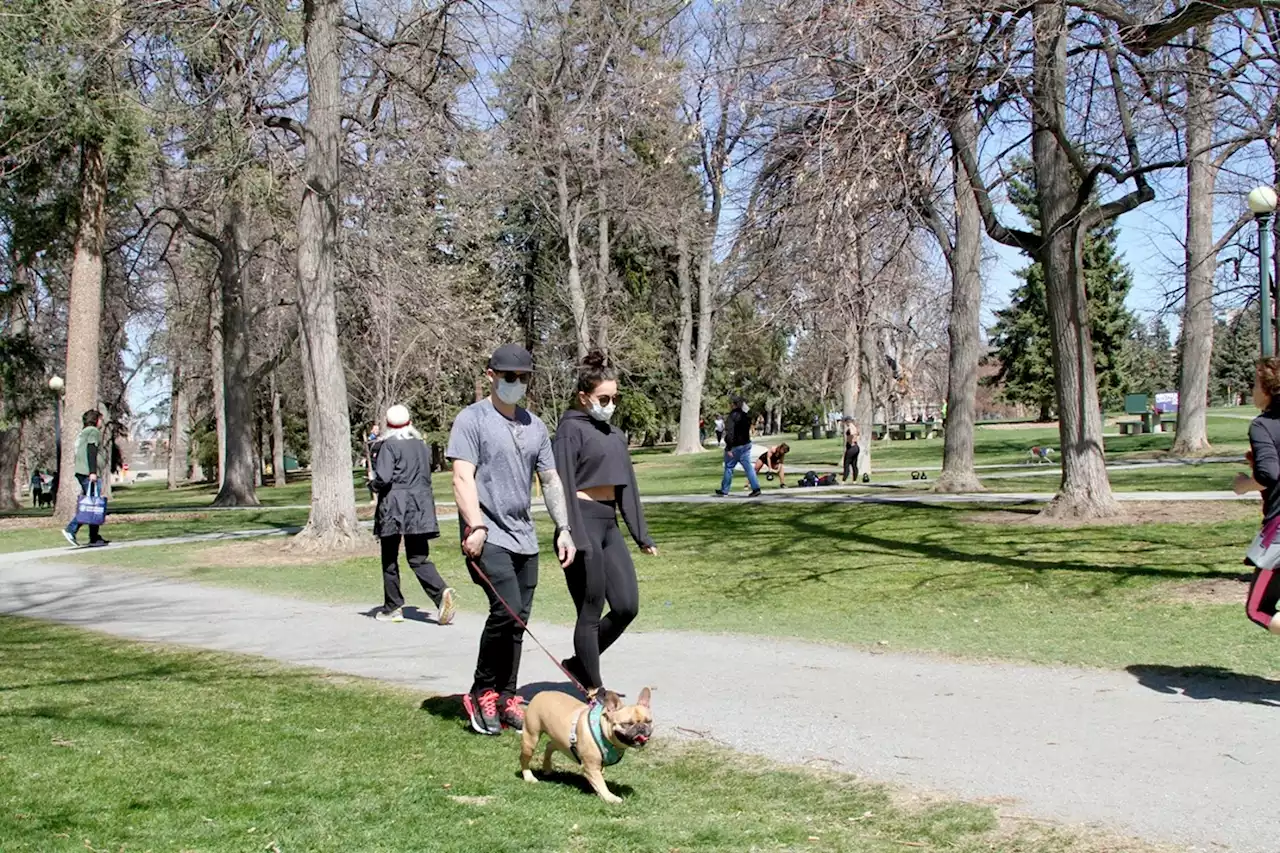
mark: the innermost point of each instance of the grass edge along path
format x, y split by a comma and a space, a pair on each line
115, 745
905, 578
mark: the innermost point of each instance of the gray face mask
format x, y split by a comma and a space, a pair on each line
511, 392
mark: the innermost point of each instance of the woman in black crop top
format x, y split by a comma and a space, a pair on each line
594, 465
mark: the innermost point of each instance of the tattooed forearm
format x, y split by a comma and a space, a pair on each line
553, 497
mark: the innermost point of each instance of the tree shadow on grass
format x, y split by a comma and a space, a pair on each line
1207, 682
919, 538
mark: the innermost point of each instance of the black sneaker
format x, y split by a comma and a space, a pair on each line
511, 712
755, 493
98, 543
483, 712
574, 666
722, 493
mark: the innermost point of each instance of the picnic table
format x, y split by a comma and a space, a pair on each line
904, 430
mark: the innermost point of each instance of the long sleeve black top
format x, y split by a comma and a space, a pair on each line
590, 454
1264, 441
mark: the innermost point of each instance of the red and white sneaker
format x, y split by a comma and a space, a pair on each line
511, 712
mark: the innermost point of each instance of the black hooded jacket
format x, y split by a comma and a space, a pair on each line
591, 453
402, 479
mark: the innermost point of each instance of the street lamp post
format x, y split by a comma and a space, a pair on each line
55, 385
1262, 201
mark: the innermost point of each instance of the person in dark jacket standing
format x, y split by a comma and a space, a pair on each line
406, 510
737, 448
88, 441
1264, 459
594, 464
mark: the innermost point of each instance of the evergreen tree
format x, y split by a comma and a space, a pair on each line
1151, 364
1236, 349
1020, 335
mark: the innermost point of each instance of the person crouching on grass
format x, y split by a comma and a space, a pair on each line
594, 464
772, 460
406, 510
1264, 458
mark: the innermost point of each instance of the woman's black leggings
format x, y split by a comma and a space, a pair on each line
606, 574
851, 461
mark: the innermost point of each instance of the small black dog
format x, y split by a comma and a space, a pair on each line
44, 498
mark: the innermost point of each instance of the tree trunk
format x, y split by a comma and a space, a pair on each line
237, 468
692, 355
178, 438
1085, 491
333, 504
965, 336
570, 219
864, 412
217, 368
84, 320
851, 381
602, 276
281, 478
10, 478
1201, 259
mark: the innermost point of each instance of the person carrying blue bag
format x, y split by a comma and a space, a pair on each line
91, 509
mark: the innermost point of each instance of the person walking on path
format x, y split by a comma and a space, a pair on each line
737, 448
594, 465
719, 431
495, 446
851, 451
1264, 459
406, 511
88, 440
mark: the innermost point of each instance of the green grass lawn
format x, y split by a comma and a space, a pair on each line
660, 472
120, 529
951, 579
1207, 477
114, 746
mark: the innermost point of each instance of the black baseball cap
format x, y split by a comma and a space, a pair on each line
511, 357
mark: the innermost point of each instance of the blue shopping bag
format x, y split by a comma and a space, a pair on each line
91, 508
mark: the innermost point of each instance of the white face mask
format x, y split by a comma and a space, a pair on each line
745, 408
511, 392
601, 413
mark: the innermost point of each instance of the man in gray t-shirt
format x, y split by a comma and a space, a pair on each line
496, 447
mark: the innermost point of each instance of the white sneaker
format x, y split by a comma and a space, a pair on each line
70, 537
448, 607
396, 615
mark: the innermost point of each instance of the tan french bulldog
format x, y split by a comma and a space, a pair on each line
559, 714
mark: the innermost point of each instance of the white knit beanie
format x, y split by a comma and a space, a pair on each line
397, 416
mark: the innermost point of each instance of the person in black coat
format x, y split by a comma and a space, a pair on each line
406, 510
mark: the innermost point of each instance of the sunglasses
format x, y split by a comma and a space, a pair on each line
511, 376
606, 399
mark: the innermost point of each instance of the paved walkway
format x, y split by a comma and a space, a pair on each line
1150, 754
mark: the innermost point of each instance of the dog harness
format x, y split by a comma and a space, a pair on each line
609, 754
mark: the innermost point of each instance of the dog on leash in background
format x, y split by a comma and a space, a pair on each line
1038, 455
566, 721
